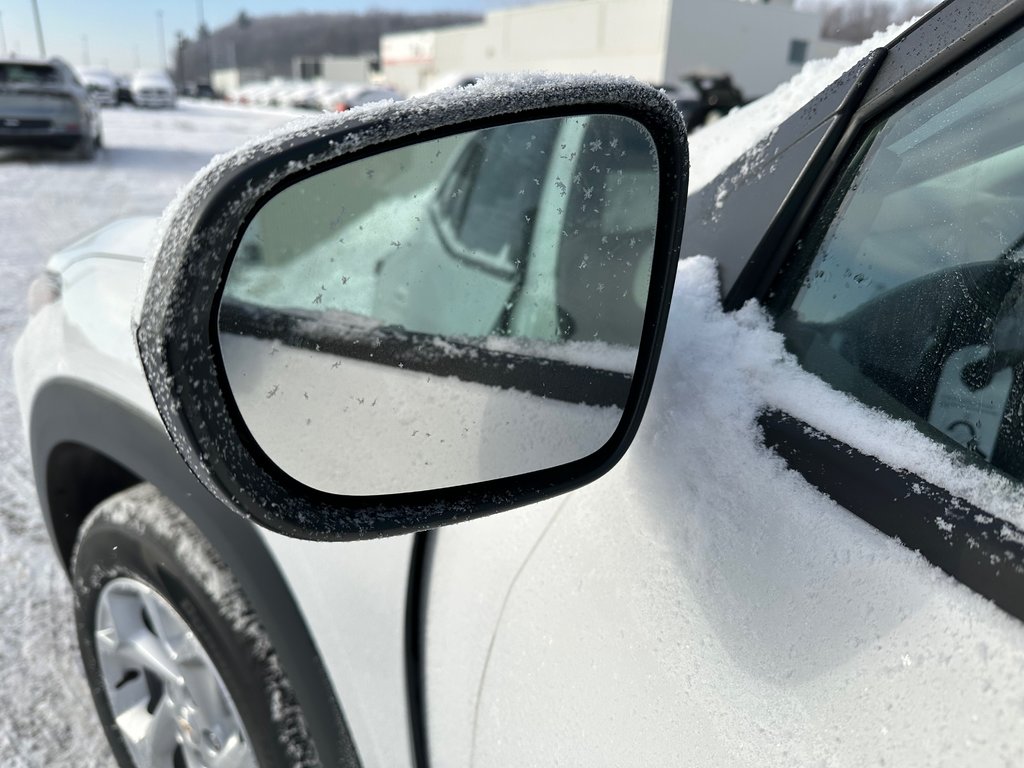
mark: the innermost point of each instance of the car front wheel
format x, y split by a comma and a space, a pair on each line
181, 671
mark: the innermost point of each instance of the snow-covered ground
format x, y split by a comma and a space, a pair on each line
47, 201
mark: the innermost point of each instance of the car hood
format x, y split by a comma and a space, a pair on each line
130, 239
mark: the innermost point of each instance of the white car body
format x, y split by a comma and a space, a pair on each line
101, 84
153, 89
700, 604
667, 579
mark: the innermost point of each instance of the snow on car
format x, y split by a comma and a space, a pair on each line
812, 539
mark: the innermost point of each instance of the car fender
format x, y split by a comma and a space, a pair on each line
78, 431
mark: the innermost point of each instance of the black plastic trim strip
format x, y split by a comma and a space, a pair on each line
395, 347
976, 548
415, 663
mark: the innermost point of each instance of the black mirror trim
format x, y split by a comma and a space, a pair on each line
178, 335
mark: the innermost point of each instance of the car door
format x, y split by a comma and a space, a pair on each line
712, 600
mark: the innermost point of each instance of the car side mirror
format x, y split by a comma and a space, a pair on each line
421, 312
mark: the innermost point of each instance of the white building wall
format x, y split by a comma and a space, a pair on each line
653, 40
232, 78
577, 36
750, 41
345, 69
407, 59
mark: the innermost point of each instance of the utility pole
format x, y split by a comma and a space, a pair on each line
39, 29
161, 49
85, 50
204, 41
3, 37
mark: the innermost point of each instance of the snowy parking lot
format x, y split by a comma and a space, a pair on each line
47, 201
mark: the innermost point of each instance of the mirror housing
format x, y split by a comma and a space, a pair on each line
177, 334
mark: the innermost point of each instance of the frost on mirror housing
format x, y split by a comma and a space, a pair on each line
409, 316
449, 312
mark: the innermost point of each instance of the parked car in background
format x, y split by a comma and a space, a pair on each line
798, 542
102, 85
452, 80
351, 96
153, 88
308, 95
200, 90
704, 99
43, 104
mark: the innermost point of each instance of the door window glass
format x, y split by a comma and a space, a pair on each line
911, 296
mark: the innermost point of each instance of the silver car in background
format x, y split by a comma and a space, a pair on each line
43, 104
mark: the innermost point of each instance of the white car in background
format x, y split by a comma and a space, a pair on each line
153, 88
102, 85
800, 545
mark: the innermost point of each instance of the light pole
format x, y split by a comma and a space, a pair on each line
204, 41
39, 29
85, 50
3, 37
161, 49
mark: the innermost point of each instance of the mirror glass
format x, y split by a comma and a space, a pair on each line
449, 312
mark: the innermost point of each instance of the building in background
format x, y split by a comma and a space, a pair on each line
759, 44
231, 79
336, 69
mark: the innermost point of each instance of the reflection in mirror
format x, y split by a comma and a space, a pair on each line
459, 310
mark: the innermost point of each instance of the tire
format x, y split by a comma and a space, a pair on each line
145, 578
85, 149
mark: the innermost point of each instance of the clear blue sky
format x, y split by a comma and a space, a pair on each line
122, 34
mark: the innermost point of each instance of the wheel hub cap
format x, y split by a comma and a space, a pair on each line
168, 699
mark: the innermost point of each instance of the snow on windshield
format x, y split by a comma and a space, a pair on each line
714, 148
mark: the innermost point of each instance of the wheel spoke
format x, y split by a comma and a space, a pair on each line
236, 754
151, 738
148, 652
205, 691
167, 628
128, 695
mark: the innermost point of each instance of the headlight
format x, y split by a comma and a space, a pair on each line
44, 290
